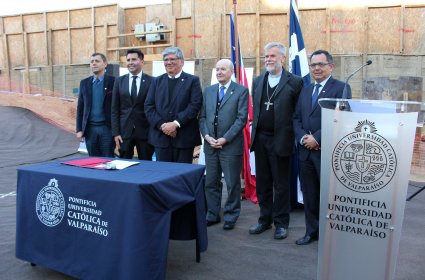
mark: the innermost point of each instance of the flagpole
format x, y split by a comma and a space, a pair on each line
235, 19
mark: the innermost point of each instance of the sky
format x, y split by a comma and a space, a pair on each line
16, 7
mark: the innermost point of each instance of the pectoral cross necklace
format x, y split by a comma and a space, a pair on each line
268, 103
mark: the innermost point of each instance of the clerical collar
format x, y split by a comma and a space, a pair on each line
176, 76
274, 79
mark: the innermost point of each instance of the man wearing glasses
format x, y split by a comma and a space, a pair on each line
172, 107
307, 126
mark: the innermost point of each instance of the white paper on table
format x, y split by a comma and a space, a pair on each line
117, 164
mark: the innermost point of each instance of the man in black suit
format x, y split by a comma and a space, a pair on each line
172, 107
275, 94
307, 126
129, 124
94, 109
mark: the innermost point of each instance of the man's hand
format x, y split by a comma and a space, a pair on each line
118, 141
79, 135
169, 129
310, 142
215, 143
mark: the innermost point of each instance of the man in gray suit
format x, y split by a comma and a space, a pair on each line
223, 116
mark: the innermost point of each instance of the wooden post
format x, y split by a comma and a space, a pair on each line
69, 39
105, 33
235, 22
257, 45
6, 54
403, 8
93, 35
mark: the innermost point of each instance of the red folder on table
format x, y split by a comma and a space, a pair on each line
90, 162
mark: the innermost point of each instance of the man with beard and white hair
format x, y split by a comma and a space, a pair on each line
275, 94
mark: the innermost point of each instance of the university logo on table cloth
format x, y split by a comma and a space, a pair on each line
50, 204
364, 161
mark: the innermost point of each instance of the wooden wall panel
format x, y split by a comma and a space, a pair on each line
106, 15
313, 26
414, 30
112, 43
100, 40
57, 20
33, 22
12, 24
183, 38
3, 63
132, 17
208, 8
273, 6
273, 28
60, 51
37, 49
207, 36
243, 6
384, 30
162, 13
346, 31
16, 50
81, 18
81, 45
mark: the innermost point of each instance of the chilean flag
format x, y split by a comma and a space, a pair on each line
249, 179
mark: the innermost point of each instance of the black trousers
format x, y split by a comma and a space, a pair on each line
144, 149
172, 154
273, 182
310, 185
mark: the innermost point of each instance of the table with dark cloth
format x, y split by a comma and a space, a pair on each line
108, 224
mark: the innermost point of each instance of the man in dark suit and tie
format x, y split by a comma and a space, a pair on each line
307, 126
275, 94
94, 109
172, 107
130, 127
223, 116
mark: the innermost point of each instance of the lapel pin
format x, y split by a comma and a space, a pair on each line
182, 80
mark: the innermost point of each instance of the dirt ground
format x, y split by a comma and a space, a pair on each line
53, 109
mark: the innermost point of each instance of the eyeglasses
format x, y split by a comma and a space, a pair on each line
171, 59
320, 65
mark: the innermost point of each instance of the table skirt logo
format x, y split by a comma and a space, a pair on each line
364, 161
50, 204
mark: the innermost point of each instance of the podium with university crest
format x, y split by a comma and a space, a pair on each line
365, 165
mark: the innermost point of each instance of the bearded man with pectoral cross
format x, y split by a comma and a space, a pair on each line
275, 93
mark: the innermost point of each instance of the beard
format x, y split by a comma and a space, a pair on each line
274, 68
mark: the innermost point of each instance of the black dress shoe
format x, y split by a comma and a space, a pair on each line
228, 225
307, 239
280, 233
259, 228
210, 223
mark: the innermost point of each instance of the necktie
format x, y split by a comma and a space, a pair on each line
221, 93
315, 95
133, 91
96, 81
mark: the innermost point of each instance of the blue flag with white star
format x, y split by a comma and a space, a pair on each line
298, 63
